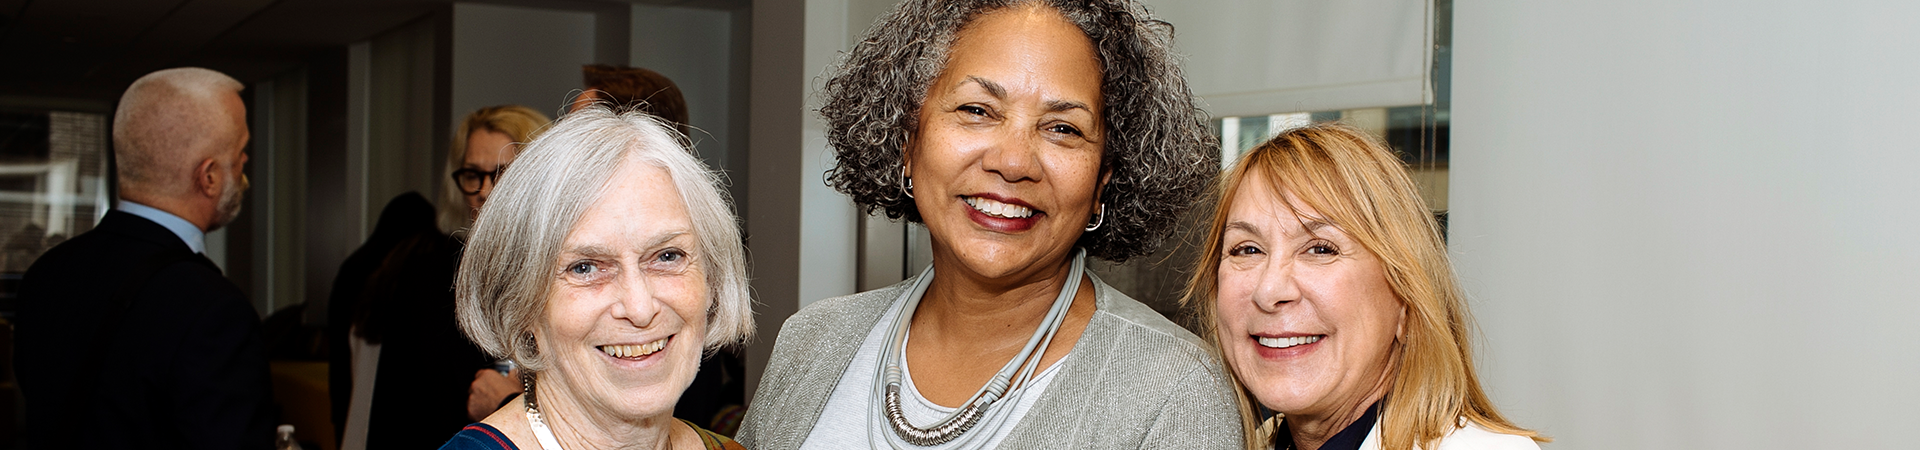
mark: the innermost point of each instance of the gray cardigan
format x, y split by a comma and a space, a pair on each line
1135, 380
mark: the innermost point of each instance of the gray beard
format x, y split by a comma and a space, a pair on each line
231, 199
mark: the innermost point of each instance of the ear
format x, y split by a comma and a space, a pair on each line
207, 177
1101, 188
906, 157
1400, 325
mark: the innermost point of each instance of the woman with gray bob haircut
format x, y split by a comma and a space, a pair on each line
604, 265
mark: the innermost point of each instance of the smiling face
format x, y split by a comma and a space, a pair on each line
1306, 317
1006, 160
626, 319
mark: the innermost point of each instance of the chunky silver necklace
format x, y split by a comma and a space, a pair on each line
535, 420
1017, 372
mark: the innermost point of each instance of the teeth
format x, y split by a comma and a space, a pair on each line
634, 351
1288, 342
998, 209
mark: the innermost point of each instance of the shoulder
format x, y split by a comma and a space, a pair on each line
838, 310
479, 436
1473, 437
1118, 315
711, 440
843, 317
1134, 379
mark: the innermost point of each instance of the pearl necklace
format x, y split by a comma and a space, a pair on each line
887, 384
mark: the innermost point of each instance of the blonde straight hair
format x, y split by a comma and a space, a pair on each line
519, 123
1358, 184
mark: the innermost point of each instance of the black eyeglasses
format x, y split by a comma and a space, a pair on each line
470, 180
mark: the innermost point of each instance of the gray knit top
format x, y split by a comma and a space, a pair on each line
1135, 380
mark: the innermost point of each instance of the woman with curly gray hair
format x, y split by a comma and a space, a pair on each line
1026, 136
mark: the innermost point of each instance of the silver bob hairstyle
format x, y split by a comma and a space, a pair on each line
507, 271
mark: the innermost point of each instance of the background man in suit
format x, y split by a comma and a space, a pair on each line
127, 335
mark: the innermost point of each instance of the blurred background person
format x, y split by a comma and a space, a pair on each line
402, 372
1327, 289
625, 88
128, 336
1054, 131
483, 146
605, 268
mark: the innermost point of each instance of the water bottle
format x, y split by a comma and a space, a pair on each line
285, 440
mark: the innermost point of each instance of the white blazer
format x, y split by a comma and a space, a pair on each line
1468, 437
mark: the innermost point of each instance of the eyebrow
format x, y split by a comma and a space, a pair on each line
1242, 226
663, 238
993, 89
591, 251
1063, 105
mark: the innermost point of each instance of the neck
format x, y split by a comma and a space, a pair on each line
981, 310
183, 209
1310, 431
578, 425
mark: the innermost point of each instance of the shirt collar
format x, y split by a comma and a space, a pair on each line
187, 231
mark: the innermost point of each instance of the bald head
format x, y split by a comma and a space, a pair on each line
169, 122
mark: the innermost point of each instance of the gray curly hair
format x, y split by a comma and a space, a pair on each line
1159, 148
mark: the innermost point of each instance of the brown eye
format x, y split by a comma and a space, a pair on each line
1066, 129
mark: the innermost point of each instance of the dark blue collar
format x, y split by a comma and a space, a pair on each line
1348, 438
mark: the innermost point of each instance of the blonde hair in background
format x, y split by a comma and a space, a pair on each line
519, 123
1359, 185
507, 270
167, 122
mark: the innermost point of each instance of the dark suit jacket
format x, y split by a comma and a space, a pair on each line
186, 368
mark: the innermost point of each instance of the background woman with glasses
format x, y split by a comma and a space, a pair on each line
487, 140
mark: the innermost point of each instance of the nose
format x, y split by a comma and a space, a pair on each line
637, 304
1277, 287
1014, 155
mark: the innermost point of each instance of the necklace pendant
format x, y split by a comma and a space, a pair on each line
939, 433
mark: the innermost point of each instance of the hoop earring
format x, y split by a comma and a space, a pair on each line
1098, 219
906, 182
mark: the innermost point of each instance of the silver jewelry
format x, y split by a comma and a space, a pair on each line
1098, 219
906, 185
1017, 372
534, 419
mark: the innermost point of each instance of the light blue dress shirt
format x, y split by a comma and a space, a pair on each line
187, 231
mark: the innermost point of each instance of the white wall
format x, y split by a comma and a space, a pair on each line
690, 46
522, 56
1258, 57
1690, 224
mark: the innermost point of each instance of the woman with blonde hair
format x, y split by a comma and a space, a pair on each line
486, 142
1325, 286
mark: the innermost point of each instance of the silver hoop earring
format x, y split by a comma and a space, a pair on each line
1098, 219
906, 185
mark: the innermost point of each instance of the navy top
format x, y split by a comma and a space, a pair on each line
1348, 438
479, 436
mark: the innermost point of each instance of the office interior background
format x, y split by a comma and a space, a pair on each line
1682, 224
